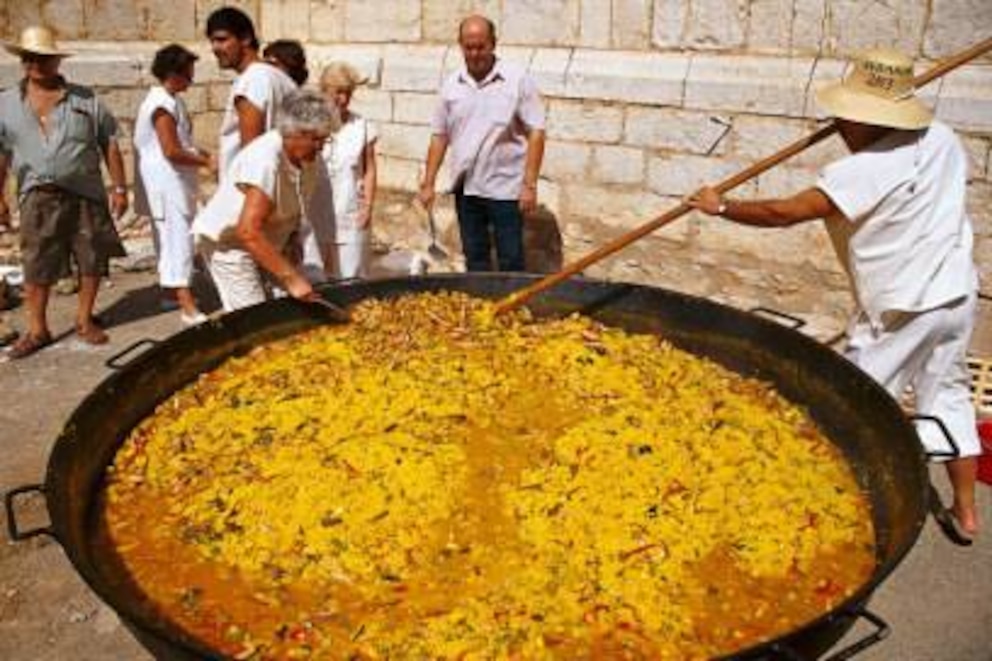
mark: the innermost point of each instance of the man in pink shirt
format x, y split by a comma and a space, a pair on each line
491, 115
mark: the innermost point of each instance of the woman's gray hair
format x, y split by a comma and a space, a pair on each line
305, 110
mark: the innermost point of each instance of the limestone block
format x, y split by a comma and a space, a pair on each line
773, 86
217, 95
373, 104
283, 19
171, 21
584, 121
366, 59
965, 99
385, 20
854, 25
769, 28
620, 207
653, 78
955, 25
123, 102
595, 22
404, 141
195, 99
206, 129
978, 157
670, 20
809, 27
979, 205
716, 24
676, 130
548, 67
114, 19
800, 245
618, 165
99, 68
412, 68
442, 17
540, 22
825, 72
631, 24
755, 136
327, 19
784, 181
680, 174
566, 161
65, 17
414, 107
399, 173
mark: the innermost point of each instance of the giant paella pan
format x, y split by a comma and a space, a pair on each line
865, 426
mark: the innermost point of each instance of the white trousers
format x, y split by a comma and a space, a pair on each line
925, 350
174, 246
237, 278
352, 256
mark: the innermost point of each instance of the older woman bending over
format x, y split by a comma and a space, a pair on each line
253, 218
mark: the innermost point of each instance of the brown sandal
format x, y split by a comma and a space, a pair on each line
92, 334
29, 344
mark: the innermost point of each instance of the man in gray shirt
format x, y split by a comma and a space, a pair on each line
54, 134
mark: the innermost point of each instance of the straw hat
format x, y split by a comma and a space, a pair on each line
879, 91
37, 40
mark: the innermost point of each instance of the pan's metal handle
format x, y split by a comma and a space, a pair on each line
114, 362
16, 534
954, 452
881, 632
796, 322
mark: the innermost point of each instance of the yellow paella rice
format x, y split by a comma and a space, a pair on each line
434, 481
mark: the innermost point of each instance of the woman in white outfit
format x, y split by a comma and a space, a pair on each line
166, 166
349, 155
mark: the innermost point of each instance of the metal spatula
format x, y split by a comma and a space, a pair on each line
434, 250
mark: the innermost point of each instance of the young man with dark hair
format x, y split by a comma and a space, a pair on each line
256, 92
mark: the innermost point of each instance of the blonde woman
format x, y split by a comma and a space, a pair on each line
350, 158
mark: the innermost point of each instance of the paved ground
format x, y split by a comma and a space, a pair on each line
938, 602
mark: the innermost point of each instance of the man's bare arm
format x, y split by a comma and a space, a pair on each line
810, 204
251, 120
435, 156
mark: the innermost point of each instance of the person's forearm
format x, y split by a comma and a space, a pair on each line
535, 156
115, 166
761, 213
265, 254
370, 180
435, 156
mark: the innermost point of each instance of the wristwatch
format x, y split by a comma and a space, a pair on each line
722, 209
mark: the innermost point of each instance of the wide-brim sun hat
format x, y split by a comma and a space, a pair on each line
36, 40
879, 91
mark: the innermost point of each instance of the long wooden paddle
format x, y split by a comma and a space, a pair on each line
520, 297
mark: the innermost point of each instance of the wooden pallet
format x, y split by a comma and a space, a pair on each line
981, 385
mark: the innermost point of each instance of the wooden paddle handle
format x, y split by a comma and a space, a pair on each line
521, 296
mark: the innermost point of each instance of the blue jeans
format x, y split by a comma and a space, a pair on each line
477, 217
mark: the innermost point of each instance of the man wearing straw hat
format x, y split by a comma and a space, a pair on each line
55, 133
895, 210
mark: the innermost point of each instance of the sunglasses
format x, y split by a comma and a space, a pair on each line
37, 58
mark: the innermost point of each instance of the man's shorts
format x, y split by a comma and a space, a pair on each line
56, 223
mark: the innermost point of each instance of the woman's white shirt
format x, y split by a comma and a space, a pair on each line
343, 154
160, 182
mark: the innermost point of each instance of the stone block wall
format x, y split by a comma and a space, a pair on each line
646, 101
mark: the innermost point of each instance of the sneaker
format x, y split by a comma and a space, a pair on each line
194, 319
